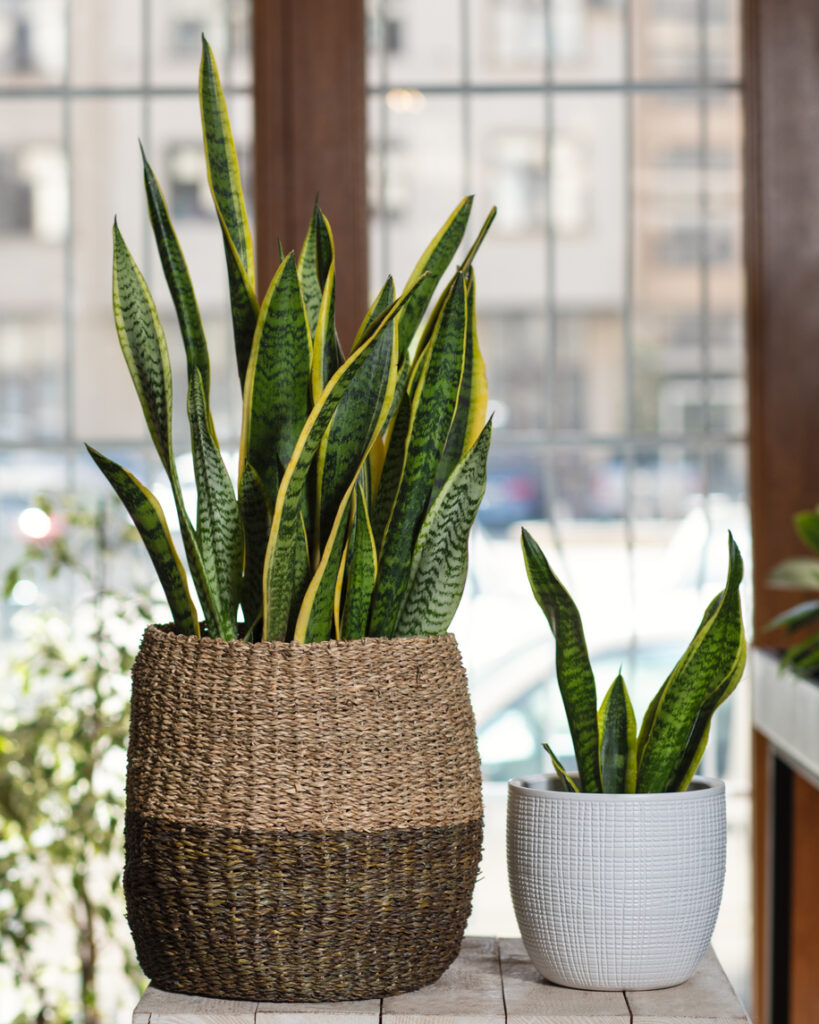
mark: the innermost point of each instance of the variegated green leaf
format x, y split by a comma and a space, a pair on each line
381, 304
362, 566
568, 782
473, 249
574, 673
226, 187
178, 278
431, 266
150, 521
222, 163
315, 619
327, 355
143, 344
704, 676
277, 380
806, 524
356, 423
438, 571
618, 740
218, 526
279, 585
256, 512
314, 263
473, 398
433, 407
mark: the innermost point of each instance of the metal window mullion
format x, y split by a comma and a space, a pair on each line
628, 332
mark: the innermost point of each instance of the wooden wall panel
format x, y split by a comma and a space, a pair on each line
782, 117
310, 138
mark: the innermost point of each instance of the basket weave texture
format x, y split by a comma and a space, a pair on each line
303, 821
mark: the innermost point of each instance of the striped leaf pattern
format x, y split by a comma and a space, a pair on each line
278, 579
218, 527
473, 398
277, 381
574, 673
361, 567
226, 188
327, 355
359, 477
429, 270
143, 344
618, 740
433, 407
256, 512
150, 522
438, 571
705, 675
178, 278
568, 782
356, 424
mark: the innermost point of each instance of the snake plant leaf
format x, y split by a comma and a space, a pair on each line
218, 524
473, 398
618, 740
361, 569
279, 584
327, 354
568, 782
256, 512
802, 614
806, 524
356, 424
704, 676
473, 249
143, 344
226, 188
433, 407
178, 278
381, 304
438, 571
277, 379
314, 264
150, 522
431, 266
574, 673
315, 619
799, 573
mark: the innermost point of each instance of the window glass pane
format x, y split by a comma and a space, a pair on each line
176, 40
32, 42
588, 40
106, 43
420, 41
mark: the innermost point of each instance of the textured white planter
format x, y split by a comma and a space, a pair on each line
615, 891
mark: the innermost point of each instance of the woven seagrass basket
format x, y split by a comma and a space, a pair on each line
303, 821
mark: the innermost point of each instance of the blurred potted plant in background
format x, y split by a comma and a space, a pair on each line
63, 726
801, 573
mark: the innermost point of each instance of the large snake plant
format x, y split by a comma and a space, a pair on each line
801, 573
611, 756
359, 477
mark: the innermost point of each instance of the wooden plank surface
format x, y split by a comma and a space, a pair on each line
366, 1011
491, 982
159, 1007
706, 999
469, 992
530, 999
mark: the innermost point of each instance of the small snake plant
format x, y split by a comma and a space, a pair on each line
611, 756
800, 573
359, 477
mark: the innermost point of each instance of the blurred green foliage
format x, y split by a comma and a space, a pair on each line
63, 726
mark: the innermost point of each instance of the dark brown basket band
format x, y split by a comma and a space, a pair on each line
297, 917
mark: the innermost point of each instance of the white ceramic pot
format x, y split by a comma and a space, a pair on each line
615, 891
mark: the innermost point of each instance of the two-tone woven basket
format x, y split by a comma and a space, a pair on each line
303, 821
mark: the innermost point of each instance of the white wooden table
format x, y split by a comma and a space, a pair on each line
491, 982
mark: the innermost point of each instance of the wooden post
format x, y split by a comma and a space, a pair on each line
311, 140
